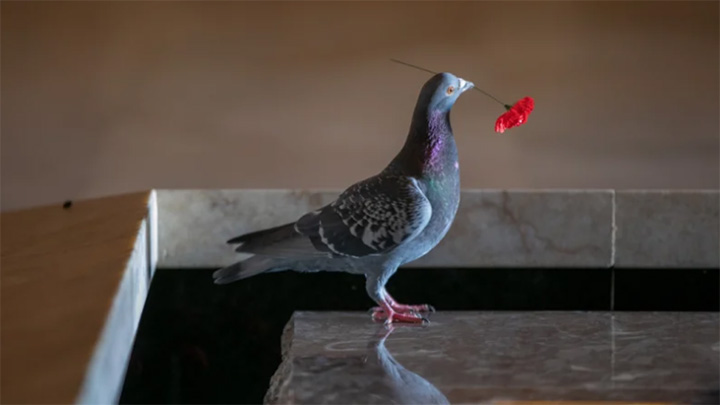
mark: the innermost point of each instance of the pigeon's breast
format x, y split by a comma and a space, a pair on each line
443, 192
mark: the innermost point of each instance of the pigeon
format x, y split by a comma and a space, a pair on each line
377, 224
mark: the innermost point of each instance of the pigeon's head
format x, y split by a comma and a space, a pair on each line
441, 91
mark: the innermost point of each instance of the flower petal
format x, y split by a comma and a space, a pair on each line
516, 115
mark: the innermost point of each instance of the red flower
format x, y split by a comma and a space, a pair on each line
515, 115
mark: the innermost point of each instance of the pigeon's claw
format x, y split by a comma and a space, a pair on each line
390, 316
422, 308
407, 309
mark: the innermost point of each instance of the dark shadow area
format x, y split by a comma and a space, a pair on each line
202, 343
667, 290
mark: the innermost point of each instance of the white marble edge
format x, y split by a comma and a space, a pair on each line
105, 373
534, 231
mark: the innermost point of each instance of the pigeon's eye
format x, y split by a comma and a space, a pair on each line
450, 90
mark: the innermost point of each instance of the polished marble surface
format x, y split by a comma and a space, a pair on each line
491, 357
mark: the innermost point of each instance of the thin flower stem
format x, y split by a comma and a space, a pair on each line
413, 66
507, 106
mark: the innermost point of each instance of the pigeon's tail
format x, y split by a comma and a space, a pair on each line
246, 268
280, 242
256, 241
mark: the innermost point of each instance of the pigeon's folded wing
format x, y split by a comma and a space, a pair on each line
372, 217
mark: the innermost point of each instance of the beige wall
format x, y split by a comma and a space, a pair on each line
100, 98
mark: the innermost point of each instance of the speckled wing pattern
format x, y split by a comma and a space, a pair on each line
371, 217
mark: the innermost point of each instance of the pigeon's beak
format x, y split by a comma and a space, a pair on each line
465, 85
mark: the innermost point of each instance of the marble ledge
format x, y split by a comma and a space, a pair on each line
675, 229
493, 228
70, 313
500, 357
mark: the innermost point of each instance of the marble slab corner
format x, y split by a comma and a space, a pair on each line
667, 229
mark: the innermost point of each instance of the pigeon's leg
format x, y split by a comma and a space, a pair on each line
375, 287
406, 308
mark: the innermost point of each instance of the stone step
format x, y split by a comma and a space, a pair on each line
500, 357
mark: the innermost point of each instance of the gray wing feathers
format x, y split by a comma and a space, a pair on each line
371, 217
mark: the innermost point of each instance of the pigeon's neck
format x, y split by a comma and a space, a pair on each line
430, 145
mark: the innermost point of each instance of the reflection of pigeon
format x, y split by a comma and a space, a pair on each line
379, 223
407, 387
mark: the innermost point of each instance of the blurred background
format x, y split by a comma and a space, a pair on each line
102, 98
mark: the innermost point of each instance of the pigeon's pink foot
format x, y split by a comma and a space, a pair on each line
408, 309
412, 308
402, 308
390, 316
